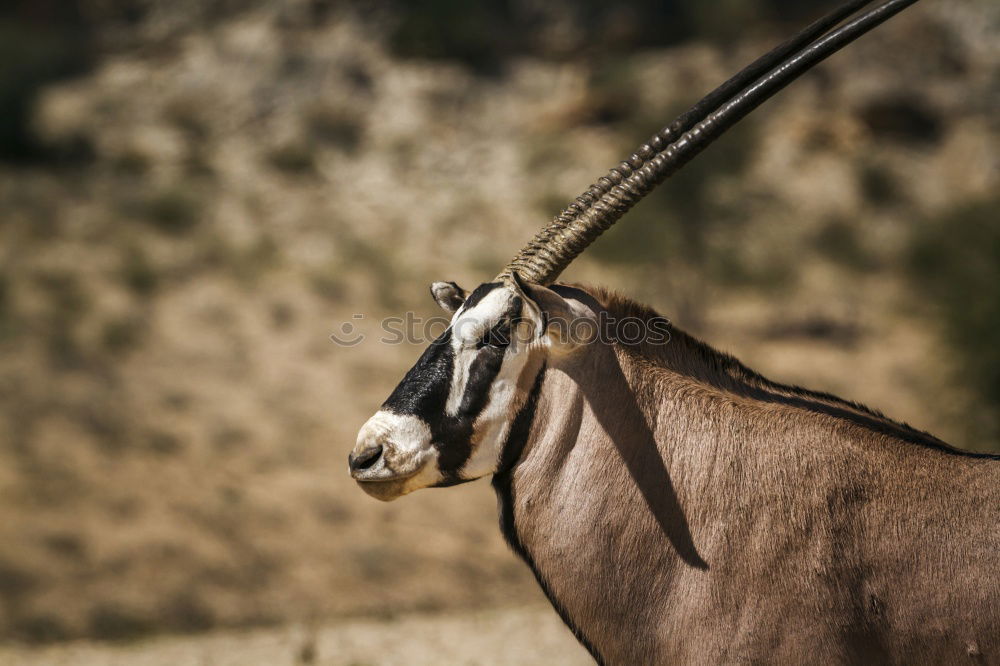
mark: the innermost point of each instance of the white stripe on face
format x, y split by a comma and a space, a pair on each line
493, 424
467, 328
466, 440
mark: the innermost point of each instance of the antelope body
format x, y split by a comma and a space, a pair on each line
675, 506
679, 509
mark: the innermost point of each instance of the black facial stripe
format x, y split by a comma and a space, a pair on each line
452, 436
425, 388
424, 393
486, 366
483, 370
514, 314
498, 336
479, 293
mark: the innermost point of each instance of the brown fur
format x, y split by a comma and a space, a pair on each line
679, 508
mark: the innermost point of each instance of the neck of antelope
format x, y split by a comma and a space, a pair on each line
595, 501
666, 497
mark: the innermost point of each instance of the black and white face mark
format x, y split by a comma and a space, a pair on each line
447, 421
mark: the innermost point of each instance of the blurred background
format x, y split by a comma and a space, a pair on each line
195, 194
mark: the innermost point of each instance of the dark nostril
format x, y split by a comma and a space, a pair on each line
365, 459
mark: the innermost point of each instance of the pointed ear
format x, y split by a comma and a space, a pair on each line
569, 322
448, 295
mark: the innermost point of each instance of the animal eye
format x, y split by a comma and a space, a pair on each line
495, 338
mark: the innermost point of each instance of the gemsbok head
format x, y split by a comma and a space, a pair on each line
675, 506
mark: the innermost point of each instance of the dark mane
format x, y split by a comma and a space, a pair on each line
687, 355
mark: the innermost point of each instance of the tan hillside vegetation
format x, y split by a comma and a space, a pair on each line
175, 419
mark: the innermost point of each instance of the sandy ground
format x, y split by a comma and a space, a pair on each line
532, 635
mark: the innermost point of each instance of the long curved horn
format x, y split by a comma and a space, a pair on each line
712, 101
555, 246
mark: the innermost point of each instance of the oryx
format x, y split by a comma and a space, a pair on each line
675, 506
